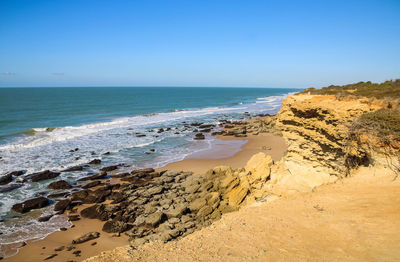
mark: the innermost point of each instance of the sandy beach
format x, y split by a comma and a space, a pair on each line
198, 163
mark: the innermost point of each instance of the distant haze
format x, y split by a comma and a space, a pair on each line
198, 43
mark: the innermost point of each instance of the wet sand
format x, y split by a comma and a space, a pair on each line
197, 163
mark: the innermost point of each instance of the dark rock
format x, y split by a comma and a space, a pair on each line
50, 257
140, 135
199, 136
45, 218
30, 204
96, 212
62, 205
160, 130
73, 169
73, 217
95, 162
44, 175
109, 168
106, 153
61, 184
115, 226
58, 249
100, 175
86, 237
9, 187
92, 184
17, 173
58, 195
5, 179
120, 175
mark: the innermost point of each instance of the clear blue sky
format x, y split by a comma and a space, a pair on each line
198, 43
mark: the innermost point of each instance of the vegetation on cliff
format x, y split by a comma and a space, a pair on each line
387, 89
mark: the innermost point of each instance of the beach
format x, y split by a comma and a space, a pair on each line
199, 164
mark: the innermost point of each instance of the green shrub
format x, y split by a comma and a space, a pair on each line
387, 89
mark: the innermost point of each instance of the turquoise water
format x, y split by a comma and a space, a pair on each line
40, 126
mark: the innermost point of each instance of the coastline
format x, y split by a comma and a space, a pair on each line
198, 164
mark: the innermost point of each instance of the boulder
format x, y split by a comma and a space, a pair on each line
86, 237
115, 226
44, 175
101, 175
96, 212
62, 205
45, 218
95, 162
92, 184
199, 136
260, 167
109, 168
30, 204
177, 212
155, 219
17, 173
61, 184
5, 179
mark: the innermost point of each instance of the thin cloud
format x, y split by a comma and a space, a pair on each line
58, 74
9, 74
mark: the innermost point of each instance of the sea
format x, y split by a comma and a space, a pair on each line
56, 128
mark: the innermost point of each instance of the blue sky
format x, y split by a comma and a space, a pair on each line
198, 43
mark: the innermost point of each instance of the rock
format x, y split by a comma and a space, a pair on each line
73, 217
96, 212
73, 169
199, 136
109, 168
17, 173
92, 184
45, 218
114, 226
58, 249
95, 162
155, 219
197, 204
204, 211
9, 187
58, 195
5, 179
145, 170
86, 237
44, 175
30, 204
177, 212
100, 175
260, 167
62, 205
61, 184
50, 257
138, 242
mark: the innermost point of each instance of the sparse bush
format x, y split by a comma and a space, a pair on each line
388, 89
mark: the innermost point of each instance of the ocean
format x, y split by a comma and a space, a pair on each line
57, 128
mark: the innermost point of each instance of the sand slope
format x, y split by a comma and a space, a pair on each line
356, 219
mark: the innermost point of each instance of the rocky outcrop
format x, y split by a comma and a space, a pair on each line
30, 204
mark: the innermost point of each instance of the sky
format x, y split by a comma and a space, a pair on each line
250, 43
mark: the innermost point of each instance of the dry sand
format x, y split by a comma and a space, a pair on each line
270, 144
356, 219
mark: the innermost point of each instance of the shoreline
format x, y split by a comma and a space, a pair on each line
198, 164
